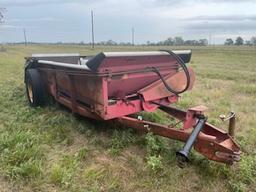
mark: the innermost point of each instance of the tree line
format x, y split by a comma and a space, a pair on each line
176, 41
179, 41
240, 41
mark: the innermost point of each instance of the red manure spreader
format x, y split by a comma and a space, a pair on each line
115, 85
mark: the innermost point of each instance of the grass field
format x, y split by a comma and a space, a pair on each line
49, 149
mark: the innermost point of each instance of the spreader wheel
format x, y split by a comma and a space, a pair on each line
34, 88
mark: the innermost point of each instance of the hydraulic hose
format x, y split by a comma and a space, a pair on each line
183, 66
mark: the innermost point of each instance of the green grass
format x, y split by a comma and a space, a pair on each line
49, 149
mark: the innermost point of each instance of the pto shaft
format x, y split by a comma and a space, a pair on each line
192, 138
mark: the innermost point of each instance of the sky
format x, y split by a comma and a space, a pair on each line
152, 20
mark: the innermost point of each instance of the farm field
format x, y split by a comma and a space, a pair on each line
49, 149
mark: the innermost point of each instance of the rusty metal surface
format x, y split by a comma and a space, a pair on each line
122, 79
218, 142
157, 89
232, 122
218, 146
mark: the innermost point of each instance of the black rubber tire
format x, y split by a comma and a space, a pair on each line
34, 88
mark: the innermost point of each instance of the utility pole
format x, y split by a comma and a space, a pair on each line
25, 36
2, 10
210, 39
92, 29
132, 36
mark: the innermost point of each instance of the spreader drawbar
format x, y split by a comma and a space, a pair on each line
192, 138
208, 140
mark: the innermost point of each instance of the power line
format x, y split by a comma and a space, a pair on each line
210, 39
92, 22
132, 36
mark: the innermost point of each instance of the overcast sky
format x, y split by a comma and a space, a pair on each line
153, 20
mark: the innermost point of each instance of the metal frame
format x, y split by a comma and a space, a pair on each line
212, 142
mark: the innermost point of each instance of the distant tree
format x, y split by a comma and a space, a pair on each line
248, 43
168, 41
161, 43
188, 42
200, 42
239, 41
150, 43
111, 42
178, 41
192, 42
125, 43
203, 42
253, 40
229, 41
